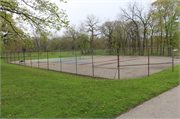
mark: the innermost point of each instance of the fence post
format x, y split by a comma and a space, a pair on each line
47, 61
3, 56
10, 57
148, 61
24, 58
118, 63
18, 58
30, 59
92, 63
6, 57
38, 59
172, 59
14, 57
60, 62
76, 60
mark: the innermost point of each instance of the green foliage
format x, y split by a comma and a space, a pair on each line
167, 14
40, 14
83, 42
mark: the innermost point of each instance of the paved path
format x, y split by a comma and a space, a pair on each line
164, 106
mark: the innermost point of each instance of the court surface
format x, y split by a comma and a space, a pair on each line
105, 66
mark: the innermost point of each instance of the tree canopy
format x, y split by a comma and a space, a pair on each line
39, 14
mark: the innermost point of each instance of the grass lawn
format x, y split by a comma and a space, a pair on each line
35, 93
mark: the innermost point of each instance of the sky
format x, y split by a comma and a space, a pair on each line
77, 10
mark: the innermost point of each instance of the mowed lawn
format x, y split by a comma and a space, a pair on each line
35, 93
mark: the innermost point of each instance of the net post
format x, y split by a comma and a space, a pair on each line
92, 63
148, 62
118, 63
47, 61
76, 60
172, 59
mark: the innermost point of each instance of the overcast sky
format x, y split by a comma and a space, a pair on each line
77, 10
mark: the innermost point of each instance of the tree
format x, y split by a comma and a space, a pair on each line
144, 18
91, 26
168, 11
120, 35
54, 44
74, 34
10, 40
98, 44
82, 42
152, 27
40, 14
130, 15
107, 29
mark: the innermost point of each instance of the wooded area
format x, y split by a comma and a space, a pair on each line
136, 28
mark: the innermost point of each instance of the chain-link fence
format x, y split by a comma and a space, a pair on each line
103, 63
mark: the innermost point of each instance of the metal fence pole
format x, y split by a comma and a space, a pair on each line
60, 62
38, 59
92, 63
30, 59
6, 57
47, 61
148, 61
18, 58
118, 63
172, 59
10, 57
14, 57
3, 56
24, 58
76, 60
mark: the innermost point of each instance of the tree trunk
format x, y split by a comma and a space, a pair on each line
167, 40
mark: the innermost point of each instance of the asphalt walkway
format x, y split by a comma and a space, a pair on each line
164, 106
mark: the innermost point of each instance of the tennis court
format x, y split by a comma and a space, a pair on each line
104, 66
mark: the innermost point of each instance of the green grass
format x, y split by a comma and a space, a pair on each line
36, 93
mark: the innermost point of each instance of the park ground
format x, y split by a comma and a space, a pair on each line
36, 93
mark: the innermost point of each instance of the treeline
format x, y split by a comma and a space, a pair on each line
136, 28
